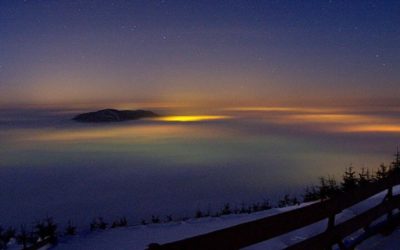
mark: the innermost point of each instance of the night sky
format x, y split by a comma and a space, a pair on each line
204, 52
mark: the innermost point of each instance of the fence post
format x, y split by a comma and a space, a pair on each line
390, 224
390, 199
331, 222
331, 225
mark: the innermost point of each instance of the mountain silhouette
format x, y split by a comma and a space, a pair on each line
114, 115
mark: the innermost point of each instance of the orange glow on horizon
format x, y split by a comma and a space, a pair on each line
332, 118
326, 119
284, 109
261, 108
374, 128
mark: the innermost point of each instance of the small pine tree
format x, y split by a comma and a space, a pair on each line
243, 208
40, 230
70, 230
236, 210
98, 223
286, 201
295, 201
255, 207
168, 218
349, 179
51, 229
323, 188
382, 172
333, 188
250, 209
311, 194
155, 219
46, 229
396, 161
3, 245
6, 236
265, 205
227, 209
364, 177
328, 187
24, 238
102, 224
122, 222
199, 214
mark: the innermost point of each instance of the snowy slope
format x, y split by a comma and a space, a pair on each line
391, 242
138, 237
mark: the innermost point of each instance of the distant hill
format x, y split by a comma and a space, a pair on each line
113, 115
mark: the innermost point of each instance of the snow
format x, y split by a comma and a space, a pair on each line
139, 236
391, 242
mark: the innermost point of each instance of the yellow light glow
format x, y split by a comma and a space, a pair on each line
192, 118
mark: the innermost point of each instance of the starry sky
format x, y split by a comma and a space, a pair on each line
204, 52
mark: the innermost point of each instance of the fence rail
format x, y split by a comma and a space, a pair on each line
260, 230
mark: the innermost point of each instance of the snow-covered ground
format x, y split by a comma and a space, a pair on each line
391, 242
138, 237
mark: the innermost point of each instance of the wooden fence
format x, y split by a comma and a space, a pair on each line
260, 230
